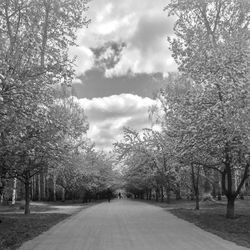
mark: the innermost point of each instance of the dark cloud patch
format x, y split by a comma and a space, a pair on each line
142, 25
95, 84
108, 55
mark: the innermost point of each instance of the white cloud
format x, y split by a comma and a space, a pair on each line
106, 12
84, 58
108, 27
142, 25
76, 81
108, 115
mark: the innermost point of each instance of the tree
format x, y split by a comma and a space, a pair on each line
138, 171
33, 52
49, 138
102, 177
35, 37
148, 155
211, 46
88, 174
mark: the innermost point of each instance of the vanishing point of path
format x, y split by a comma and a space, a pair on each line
127, 225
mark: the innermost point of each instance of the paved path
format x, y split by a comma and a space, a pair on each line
127, 225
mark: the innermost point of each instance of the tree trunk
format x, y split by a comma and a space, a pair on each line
14, 192
168, 195
197, 201
214, 191
142, 196
178, 192
219, 196
157, 194
39, 187
150, 194
27, 197
195, 181
162, 193
192, 196
219, 191
63, 194
47, 189
197, 194
230, 208
33, 188
147, 194
207, 185
54, 187
43, 187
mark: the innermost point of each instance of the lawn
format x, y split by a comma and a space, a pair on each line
16, 228
211, 217
236, 230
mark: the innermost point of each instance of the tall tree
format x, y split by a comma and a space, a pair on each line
211, 46
35, 37
149, 155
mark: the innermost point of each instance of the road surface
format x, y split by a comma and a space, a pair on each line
127, 225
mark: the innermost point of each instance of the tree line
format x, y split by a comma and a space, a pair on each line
203, 112
44, 151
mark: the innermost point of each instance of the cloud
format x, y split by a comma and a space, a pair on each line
136, 68
108, 55
142, 25
95, 84
84, 58
108, 115
147, 49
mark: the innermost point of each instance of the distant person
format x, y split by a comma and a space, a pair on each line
119, 195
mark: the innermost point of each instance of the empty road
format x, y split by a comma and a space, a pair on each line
127, 225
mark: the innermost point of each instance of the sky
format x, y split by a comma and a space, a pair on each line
122, 59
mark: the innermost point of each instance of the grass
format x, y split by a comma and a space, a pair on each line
16, 228
211, 217
236, 230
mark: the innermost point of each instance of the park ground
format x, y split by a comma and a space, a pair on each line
211, 217
17, 228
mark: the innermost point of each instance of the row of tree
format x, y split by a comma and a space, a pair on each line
203, 112
42, 129
88, 176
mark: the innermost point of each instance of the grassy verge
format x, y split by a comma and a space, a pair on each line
214, 221
211, 217
18, 228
